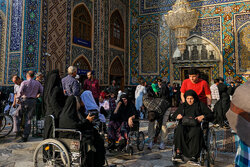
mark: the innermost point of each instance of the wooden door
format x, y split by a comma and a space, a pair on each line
205, 73
117, 73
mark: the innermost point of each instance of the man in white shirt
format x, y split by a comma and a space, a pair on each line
214, 93
17, 81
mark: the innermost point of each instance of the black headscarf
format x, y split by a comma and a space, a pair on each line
192, 93
125, 111
68, 117
223, 91
53, 96
53, 100
52, 80
196, 109
124, 96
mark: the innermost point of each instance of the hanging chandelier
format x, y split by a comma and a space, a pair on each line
181, 19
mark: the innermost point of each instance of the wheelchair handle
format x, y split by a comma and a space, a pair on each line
53, 123
69, 130
203, 122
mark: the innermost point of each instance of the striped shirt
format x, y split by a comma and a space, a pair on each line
242, 158
70, 86
29, 89
215, 92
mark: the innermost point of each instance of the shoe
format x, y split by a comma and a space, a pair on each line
18, 135
162, 146
21, 140
193, 161
177, 158
216, 125
150, 145
24, 139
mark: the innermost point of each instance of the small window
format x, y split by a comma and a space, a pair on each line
116, 30
82, 26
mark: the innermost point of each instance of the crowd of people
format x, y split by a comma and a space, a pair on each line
84, 106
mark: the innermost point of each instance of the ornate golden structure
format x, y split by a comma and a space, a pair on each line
181, 19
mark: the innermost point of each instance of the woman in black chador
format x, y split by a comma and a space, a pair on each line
53, 100
188, 139
121, 120
222, 106
71, 118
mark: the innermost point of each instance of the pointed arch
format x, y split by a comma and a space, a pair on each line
116, 29
218, 55
242, 49
82, 26
82, 62
149, 47
210, 42
117, 72
116, 67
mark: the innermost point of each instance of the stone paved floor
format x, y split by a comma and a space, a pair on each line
13, 154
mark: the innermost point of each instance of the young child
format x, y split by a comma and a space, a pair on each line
103, 104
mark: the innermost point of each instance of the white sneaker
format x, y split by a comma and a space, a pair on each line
162, 146
150, 145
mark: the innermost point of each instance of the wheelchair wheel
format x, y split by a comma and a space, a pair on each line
212, 148
51, 152
6, 125
140, 141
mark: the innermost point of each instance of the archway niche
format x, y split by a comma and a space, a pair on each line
83, 66
117, 72
201, 53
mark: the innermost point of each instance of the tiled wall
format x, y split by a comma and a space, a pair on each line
38, 36
218, 22
28, 25
20, 38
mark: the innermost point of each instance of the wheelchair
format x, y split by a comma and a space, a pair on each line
136, 139
61, 151
209, 150
6, 121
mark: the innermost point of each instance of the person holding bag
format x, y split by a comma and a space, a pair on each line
188, 134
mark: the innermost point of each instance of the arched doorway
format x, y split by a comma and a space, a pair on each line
117, 73
83, 66
202, 54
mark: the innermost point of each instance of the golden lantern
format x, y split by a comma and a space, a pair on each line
181, 19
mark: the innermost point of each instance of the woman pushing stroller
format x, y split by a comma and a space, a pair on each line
121, 120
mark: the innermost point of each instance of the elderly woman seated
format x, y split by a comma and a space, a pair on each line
91, 107
71, 118
188, 138
120, 121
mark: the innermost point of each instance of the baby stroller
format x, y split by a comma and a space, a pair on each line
134, 140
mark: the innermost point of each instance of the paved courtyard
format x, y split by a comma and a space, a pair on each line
13, 154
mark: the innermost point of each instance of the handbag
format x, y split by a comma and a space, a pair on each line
187, 121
